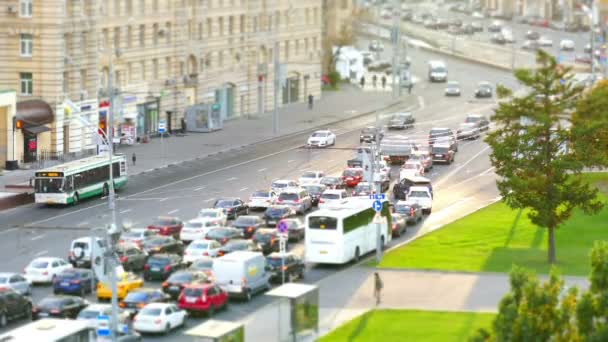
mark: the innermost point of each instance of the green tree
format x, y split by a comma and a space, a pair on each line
591, 121
530, 148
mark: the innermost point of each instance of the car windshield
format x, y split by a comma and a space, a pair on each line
155, 242
402, 209
219, 233
39, 264
180, 277
352, 173
224, 204
150, 312
438, 69
439, 133
50, 303
262, 236
193, 225
309, 175
190, 292
276, 211
199, 245
131, 235
331, 180
314, 189
261, 194
275, 261
330, 196
210, 213
472, 119
243, 220
322, 222
319, 135
279, 185
467, 125
158, 260
287, 196
440, 150
419, 194
164, 222
137, 297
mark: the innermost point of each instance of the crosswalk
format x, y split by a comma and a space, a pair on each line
378, 87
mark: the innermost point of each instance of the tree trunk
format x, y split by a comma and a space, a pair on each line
551, 241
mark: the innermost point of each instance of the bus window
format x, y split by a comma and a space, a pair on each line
48, 185
322, 222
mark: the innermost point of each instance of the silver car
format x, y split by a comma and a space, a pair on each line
16, 282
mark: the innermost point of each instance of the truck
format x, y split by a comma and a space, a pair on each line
242, 274
397, 148
421, 195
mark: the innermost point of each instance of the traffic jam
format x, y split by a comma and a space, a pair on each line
176, 270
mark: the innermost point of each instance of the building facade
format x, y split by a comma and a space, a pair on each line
338, 19
161, 57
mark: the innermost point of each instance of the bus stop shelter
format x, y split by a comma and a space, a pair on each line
298, 312
218, 331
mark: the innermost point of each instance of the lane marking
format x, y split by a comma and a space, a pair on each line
82, 224
243, 189
421, 102
262, 170
38, 237
125, 211
290, 161
487, 172
163, 199
41, 253
172, 211
232, 179
8, 231
200, 188
460, 167
208, 200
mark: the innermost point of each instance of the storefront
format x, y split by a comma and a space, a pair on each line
33, 116
8, 135
147, 118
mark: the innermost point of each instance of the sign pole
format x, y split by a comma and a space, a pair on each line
378, 206
283, 235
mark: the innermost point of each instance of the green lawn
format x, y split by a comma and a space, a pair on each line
496, 237
411, 325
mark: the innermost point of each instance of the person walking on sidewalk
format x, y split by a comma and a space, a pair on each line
378, 285
383, 82
133, 159
311, 100
362, 82
374, 80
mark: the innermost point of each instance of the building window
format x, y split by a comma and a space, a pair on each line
142, 68
344, 4
168, 67
200, 31
231, 25
155, 68
168, 32
142, 6
242, 25
286, 50
129, 37
155, 6
65, 86
27, 83
142, 35
83, 79
316, 16
155, 33
116, 38
308, 16
255, 24
130, 72
221, 26
84, 44
27, 42
297, 47
25, 8
209, 28
117, 7
106, 38
129, 7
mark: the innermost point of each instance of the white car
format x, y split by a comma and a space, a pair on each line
283, 184
567, 45
199, 249
213, 215
44, 270
322, 138
545, 41
159, 317
262, 199
411, 169
422, 196
332, 198
91, 312
311, 177
196, 229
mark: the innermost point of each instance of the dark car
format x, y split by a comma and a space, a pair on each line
371, 134
411, 211
296, 229
224, 234
267, 240
167, 226
161, 266
138, 298
131, 257
74, 281
178, 280
292, 265
237, 245
13, 306
275, 213
59, 306
363, 189
401, 121
315, 191
484, 89
481, 121
532, 35
442, 154
232, 207
332, 182
399, 225
248, 224
163, 244
438, 134
401, 188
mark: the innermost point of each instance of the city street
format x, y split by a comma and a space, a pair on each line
183, 189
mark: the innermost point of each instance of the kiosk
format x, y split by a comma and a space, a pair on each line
218, 331
298, 312
204, 118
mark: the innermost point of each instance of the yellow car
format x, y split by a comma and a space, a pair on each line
126, 283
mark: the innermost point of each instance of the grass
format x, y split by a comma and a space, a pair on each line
495, 238
410, 325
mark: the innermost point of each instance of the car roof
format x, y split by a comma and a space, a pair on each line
50, 259
322, 131
283, 180
159, 305
406, 202
334, 191
279, 254
419, 188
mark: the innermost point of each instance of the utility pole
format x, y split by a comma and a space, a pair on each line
277, 83
396, 40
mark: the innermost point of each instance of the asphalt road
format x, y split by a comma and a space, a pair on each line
183, 189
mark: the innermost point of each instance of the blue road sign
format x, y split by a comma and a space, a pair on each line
103, 325
377, 197
377, 206
162, 126
283, 227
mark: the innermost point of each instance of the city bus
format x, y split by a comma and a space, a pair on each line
52, 330
346, 232
74, 181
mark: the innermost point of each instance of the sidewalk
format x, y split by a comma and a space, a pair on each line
335, 106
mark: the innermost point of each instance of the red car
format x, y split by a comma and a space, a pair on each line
198, 298
167, 226
352, 176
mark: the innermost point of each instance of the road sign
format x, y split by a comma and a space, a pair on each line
103, 325
377, 206
377, 197
283, 227
162, 126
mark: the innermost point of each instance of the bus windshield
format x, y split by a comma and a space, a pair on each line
322, 222
49, 185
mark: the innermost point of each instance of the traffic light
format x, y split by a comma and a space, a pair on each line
17, 124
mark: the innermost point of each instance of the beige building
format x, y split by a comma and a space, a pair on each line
338, 19
164, 56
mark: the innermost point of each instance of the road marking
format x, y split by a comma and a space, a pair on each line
200, 188
330, 161
163, 199
8, 231
232, 179
125, 211
82, 224
456, 170
487, 172
172, 211
243, 189
41, 253
38, 237
208, 200
290, 161
262, 170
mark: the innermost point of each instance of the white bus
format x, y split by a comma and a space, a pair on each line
339, 235
71, 182
51, 330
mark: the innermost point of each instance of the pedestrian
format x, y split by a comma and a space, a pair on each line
133, 159
409, 88
311, 100
362, 82
183, 122
383, 82
378, 285
374, 80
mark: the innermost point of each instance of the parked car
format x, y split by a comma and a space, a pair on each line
159, 318
224, 234
322, 138
44, 270
242, 274
262, 199
371, 134
163, 244
495, 26
16, 282
13, 306
167, 226
352, 176
311, 177
137, 236
126, 283
401, 121
452, 88
80, 251
296, 229
232, 207
567, 45
315, 192
161, 266
203, 298
498, 38
59, 306
484, 89
216, 216
532, 35
200, 249
74, 281
411, 211
292, 265
139, 298
248, 224
267, 240
131, 257
197, 229
332, 182
275, 213
297, 199
177, 281
468, 131
481, 121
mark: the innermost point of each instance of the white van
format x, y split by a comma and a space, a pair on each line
438, 71
242, 273
80, 251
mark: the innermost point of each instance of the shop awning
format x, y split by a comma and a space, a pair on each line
36, 129
34, 113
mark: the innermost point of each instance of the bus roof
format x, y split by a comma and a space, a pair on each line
350, 206
82, 164
48, 329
